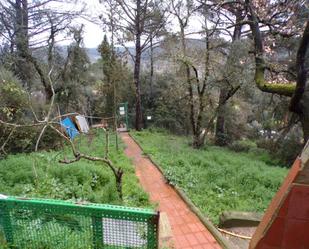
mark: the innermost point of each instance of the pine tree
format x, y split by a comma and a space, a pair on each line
108, 64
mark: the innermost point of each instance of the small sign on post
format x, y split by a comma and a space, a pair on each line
122, 111
122, 117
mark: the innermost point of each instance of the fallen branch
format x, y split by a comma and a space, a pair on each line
235, 234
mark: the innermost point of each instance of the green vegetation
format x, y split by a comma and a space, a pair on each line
40, 175
215, 179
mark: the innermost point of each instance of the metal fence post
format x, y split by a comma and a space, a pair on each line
153, 232
97, 227
6, 223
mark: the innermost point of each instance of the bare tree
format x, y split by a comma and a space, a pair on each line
183, 11
234, 16
197, 78
26, 27
133, 23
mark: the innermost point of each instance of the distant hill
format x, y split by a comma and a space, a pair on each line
94, 55
192, 43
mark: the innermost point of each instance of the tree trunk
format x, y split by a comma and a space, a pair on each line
118, 176
221, 136
151, 72
199, 139
21, 26
305, 125
26, 63
138, 105
44, 80
190, 90
200, 133
22, 69
300, 100
138, 53
304, 113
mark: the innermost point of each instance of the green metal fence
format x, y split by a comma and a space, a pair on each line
50, 224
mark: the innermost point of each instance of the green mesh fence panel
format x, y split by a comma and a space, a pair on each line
50, 224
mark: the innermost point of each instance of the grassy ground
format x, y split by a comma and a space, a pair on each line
215, 179
40, 175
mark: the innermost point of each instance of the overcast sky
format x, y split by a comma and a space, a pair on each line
93, 33
93, 30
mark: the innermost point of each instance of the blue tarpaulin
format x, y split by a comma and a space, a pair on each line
70, 128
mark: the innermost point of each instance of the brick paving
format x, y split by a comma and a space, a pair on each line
187, 229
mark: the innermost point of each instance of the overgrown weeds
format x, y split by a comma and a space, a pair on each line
214, 178
40, 175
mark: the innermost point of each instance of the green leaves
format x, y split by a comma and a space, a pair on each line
13, 98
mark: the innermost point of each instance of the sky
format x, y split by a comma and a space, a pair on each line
93, 35
93, 32
93, 28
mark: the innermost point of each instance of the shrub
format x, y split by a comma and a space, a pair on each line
13, 98
14, 108
289, 149
222, 139
267, 144
284, 151
242, 146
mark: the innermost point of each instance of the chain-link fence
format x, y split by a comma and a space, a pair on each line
50, 224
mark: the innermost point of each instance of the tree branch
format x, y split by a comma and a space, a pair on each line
286, 89
301, 72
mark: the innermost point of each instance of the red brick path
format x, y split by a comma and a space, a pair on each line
187, 230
